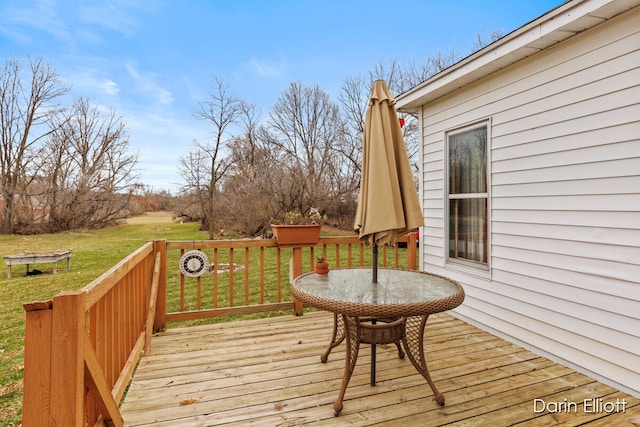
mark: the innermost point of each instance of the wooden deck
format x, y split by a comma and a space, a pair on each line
267, 372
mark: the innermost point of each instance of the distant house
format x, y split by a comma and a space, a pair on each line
38, 206
530, 186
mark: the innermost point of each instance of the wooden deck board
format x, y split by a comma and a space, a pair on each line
267, 372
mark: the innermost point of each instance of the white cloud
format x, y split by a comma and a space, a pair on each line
73, 22
146, 83
92, 82
41, 16
122, 16
110, 87
268, 68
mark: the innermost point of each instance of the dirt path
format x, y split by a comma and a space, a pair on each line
161, 217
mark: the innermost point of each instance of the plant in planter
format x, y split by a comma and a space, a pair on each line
298, 229
322, 266
297, 218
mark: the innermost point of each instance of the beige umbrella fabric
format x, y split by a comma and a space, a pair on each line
388, 205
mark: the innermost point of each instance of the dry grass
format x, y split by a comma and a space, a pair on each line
161, 218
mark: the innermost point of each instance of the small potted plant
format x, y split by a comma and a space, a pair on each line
298, 229
322, 266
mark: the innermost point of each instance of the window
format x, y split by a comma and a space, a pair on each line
468, 194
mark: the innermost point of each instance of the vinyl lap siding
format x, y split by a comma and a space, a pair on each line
433, 190
565, 200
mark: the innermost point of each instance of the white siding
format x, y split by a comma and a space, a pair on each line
565, 200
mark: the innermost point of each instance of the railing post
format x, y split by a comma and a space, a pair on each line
411, 252
67, 359
161, 303
297, 271
37, 364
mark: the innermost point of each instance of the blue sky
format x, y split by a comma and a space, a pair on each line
154, 60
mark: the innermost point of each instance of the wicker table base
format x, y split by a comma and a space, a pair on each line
369, 334
367, 330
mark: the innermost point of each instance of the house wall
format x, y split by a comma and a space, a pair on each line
564, 274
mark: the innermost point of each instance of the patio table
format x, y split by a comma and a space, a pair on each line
394, 309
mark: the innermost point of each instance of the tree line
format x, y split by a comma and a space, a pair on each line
71, 168
303, 154
60, 168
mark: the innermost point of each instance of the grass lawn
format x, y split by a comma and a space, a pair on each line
93, 254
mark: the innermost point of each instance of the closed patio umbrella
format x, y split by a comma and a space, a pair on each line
388, 205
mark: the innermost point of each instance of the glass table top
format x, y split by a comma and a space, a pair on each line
354, 285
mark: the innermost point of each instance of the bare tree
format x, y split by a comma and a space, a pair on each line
485, 40
25, 109
354, 99
249, 178
305, 125
148, 199
89, 168
391, 72
205, 166
196, 174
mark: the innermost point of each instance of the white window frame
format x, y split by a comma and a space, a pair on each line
480, 269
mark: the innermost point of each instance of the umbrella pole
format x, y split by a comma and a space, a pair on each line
375, 263
373, 322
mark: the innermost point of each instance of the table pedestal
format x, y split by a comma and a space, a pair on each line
358, 330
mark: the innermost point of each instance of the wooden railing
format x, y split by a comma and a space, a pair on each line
81, 348
249, 284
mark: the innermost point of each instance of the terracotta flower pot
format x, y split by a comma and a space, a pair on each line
322, 267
